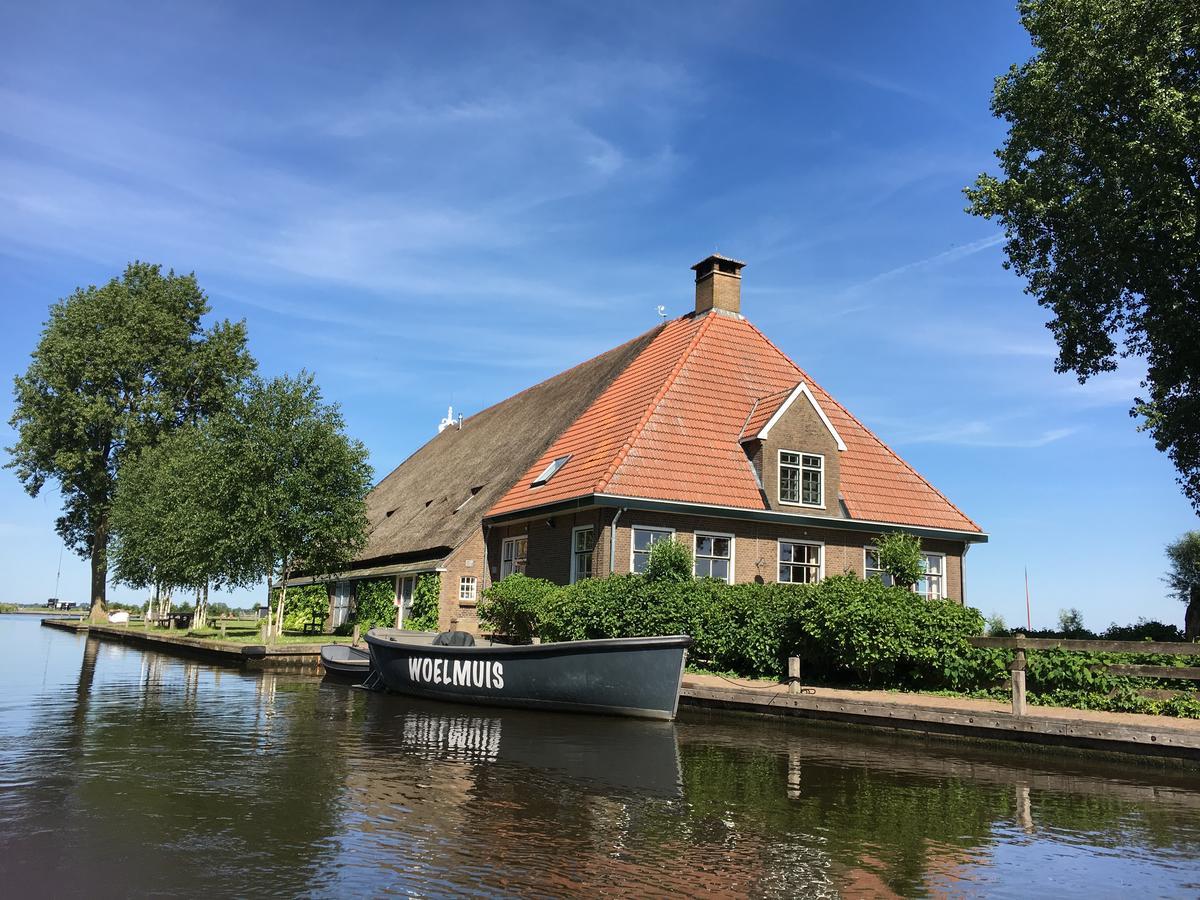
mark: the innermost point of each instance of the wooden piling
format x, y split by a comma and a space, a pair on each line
1018, 681
793, 675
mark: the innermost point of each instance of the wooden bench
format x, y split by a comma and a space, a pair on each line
315, 624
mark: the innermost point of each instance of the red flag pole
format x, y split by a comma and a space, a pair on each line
1028, 618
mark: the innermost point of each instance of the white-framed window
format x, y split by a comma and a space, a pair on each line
714, 555
583, 546
514, 554
551, 470
406, 587
467, 587
342, 593
642, 540
801, 478
801, 562
931, 585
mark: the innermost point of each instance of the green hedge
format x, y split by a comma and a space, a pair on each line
426, 603
302, 604
845, 629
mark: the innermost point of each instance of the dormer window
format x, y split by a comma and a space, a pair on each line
550, 470
801, 478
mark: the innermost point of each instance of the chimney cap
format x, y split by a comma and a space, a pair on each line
716, 262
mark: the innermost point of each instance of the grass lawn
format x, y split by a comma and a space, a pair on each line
243, 633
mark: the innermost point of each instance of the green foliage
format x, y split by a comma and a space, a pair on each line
375, 604
116, 369
1143, 630
996, 626
669, 561
1099, 197
426, 603
303, 603
515, 606
8, 607
900, 557
1183, 576
1070, 624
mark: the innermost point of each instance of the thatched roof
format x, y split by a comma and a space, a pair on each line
436, 498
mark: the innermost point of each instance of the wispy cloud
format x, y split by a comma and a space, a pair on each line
937, 260
982, 433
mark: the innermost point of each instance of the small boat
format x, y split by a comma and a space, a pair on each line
619, 676
346, 661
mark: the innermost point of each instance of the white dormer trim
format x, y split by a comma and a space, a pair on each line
801, 389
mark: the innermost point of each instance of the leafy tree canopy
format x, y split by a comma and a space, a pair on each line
116, 369
669, 561
1183, 576
900, 557
1100, 194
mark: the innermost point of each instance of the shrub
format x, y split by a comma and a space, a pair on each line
426, 602
900, 557
669, 561
302, 604
1143, 630
375, 604
514, 607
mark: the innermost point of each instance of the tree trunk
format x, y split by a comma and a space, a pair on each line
1191, 618
287, 572
98, 612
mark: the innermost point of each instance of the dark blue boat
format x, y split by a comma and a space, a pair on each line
621, 676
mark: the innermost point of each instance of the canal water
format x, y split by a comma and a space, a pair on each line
126, 772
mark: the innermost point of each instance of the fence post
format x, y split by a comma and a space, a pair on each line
354, 640
1018, 679
793, 675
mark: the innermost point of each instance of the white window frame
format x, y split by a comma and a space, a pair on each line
633, 529
575, 554
468, 588
511, 564
713, 534
886, 579
343, 595
800, 481
779, 558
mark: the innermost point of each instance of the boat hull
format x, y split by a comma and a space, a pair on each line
624, 676
344, 661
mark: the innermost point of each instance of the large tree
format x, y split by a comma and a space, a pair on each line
291, 484
1100, 194
1183, 578
116, 369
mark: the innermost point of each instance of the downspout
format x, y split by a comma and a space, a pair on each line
962, 575
612, 541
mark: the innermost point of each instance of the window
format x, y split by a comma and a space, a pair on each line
932, 585
550, 470
406, 586
643, 540
801, 562
583, 544
513, 556
466, 589
800, 478
714, 556
342, 593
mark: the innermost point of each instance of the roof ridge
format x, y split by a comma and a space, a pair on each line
896, 456
653, 404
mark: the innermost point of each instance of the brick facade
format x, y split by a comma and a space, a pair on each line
755, 545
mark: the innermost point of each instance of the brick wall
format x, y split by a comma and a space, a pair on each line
755, 547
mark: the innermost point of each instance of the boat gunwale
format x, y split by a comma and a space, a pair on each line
598, 645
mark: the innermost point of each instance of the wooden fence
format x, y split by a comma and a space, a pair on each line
1020, 643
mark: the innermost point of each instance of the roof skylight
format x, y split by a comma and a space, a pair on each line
550, 470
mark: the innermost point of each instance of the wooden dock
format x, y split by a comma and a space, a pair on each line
1128, 733
301, 658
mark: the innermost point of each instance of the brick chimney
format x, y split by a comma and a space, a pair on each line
719, 284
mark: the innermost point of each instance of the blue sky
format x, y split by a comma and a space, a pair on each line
436, 203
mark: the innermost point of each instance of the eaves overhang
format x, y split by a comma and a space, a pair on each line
589, 501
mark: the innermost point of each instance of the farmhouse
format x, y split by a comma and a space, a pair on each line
700, 430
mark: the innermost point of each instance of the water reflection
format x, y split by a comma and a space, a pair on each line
129, 772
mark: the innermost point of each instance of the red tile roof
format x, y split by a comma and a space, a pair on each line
669, 426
